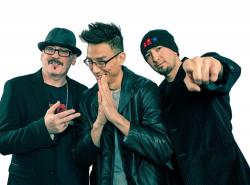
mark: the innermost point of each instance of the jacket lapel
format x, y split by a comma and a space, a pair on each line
94, 102
127, 88
41, 96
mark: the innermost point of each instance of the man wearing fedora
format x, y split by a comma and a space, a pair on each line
37, 113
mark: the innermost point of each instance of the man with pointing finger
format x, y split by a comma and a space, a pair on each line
197, 111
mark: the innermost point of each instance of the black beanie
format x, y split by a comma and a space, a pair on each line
158, 38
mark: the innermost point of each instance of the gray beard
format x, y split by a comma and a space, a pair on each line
164, 71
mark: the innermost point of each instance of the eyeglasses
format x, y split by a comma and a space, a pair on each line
61, 52
101, 64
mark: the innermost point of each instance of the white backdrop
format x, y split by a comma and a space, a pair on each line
198, 26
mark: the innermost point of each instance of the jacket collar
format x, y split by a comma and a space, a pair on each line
38, 77
127, 88
39, 88
42, 97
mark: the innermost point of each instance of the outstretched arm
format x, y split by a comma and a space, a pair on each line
212, 71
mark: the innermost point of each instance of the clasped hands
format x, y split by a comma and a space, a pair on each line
107, 109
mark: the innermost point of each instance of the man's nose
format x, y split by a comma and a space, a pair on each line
95, 69
56, 54
155, 57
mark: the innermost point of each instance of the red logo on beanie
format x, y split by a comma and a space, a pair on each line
149, 41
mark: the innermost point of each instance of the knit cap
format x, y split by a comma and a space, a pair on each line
158, 37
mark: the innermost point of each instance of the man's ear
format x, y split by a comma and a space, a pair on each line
74, 59
122, 57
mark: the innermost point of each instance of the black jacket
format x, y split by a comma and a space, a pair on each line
23, 133
199, 126
146, 144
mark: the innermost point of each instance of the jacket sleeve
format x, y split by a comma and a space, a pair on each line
231, 73
148, 136
16, 136
84, 152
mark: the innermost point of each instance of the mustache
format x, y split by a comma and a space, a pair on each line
54, 61
159, 64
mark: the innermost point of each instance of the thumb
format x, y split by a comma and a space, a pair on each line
53, 107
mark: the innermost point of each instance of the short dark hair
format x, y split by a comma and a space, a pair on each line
99, 32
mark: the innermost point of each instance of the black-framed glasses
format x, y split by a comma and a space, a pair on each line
101, 64
61, 52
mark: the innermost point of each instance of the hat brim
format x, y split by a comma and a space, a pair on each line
42, 45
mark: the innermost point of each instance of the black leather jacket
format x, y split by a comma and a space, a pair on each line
146, 148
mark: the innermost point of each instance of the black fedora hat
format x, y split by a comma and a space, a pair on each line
60, 37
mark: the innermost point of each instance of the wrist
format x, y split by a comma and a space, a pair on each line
98, 124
